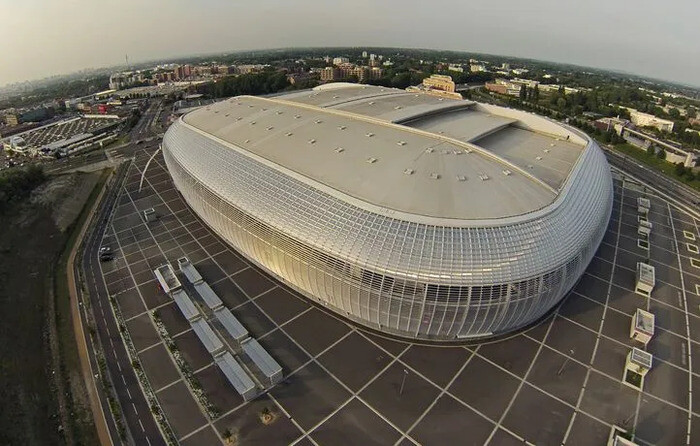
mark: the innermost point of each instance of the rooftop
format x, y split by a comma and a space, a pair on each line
407, 152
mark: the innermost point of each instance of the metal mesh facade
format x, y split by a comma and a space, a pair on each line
409, 278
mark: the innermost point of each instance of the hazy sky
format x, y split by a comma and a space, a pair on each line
653, 38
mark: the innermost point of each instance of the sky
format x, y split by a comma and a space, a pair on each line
651, 38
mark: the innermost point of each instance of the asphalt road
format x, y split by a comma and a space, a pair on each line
673, 188
135, 409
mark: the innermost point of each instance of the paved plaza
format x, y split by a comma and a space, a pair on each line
559, 382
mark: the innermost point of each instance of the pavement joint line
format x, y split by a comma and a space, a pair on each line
600, 329
145, 349
277, 326
147, 311
520, 385
666, 330
687, 326
294, 422
442, 392
356, 395
632, 291
616, 341
187, 386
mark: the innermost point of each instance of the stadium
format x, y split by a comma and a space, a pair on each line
414, 215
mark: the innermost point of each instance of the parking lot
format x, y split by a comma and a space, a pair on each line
557, 383
64, 130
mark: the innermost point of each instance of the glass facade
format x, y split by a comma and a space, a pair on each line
407, 278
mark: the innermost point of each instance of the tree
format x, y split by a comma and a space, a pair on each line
679, 169
536, 94
523, 93
561, 103
661, 154
674, 113
691, 112
651, 151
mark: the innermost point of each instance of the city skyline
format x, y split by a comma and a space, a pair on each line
53, 37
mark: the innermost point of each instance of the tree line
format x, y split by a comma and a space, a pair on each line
16, 184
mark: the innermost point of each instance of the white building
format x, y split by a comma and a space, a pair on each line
646, 120
397, 229
340, 60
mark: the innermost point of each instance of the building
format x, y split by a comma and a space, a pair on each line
477, 68
646, 120
407, 213
340, 60
364, 54
440, 82
454, 67
11, 119
330, 74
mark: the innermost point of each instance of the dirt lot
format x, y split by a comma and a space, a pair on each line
33, 236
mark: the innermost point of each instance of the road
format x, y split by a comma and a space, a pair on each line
136, 412
135, 409
669, 186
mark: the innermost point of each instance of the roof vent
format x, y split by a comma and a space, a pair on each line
529, 166
483, 176
467, 150
297, 116
279, 112
238, 118
446, 152
457, 152
246, 141
398, 107
342, 127
371, 160
369, 135
318, 121
227, 114
238, 103
312, 141
435, 175
250, 106
538, 158
429, 150
252, 122
289, 133
336, 97
461, 178
269, 128
552, 145
216, 111
264, 109
439, 99
401, 143
339, 150
408, 171
506, 172
546, 150
371, 103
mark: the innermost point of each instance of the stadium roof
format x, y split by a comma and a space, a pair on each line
408, 152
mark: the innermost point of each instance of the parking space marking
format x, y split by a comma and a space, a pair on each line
689, 235
692, 248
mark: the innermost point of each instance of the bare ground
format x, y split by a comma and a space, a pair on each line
38, 376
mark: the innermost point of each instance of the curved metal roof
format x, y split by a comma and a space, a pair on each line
348, 140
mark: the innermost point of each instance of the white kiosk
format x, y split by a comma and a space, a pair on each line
646, 279
637, 365
642, 327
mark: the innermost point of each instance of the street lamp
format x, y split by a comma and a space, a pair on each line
403, 381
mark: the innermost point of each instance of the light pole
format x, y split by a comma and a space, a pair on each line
563, 364
403, 381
